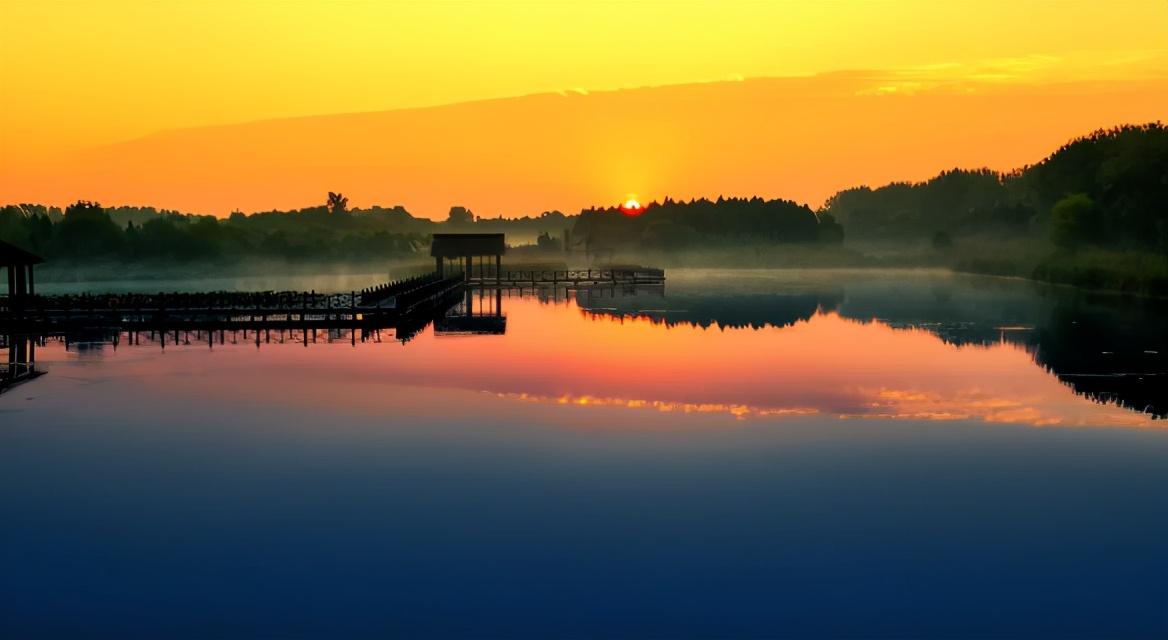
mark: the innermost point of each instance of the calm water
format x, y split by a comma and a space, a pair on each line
746, 454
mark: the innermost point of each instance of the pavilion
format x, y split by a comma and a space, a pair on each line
19, 265
463, 248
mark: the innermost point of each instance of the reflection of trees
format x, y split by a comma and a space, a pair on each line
726, 311
1109, 354
1107, 349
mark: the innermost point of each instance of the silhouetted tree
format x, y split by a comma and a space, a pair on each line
337, 203
830, 231
459, 216
1074, 221
86, 231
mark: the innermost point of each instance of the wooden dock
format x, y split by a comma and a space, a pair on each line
384, 306
407, 304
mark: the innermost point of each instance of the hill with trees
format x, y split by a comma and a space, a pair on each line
1121, 174
1094, 213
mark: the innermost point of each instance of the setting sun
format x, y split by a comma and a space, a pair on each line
631, 206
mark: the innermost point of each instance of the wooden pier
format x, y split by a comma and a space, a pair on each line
406, 306
384, 307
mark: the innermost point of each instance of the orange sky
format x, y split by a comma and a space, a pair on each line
77, 76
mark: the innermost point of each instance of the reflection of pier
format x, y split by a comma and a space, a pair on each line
479, 313
19, 363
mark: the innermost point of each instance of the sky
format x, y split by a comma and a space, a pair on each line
80, 75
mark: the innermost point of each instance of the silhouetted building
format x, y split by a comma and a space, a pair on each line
463, 248
18, 264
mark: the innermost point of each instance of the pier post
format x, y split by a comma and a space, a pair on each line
11, 282
17, 294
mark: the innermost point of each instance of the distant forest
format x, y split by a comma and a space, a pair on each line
87, 232
1093, 213
703, 224
1107, 189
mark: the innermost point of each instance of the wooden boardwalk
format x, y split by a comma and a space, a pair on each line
384, 306
408, 303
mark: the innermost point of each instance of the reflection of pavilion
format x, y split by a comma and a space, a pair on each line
19, 363
479, 313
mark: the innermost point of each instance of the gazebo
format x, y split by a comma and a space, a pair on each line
19, 265
464, 248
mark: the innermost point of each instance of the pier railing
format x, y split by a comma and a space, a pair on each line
379, 305
144, 303
630, 275
385, 295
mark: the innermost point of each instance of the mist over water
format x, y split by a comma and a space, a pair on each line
259, 276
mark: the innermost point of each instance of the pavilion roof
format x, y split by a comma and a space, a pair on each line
457, 245
11, 254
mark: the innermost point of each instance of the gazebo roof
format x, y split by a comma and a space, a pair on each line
11, 254
457, 245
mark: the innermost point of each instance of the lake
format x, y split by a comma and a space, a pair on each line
737, 454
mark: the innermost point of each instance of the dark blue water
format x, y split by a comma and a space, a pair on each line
184, 493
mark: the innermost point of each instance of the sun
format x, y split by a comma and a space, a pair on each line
631, 207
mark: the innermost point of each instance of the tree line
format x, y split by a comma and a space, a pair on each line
673, 225
87, 232
1106, 190
1093, 214
1098, 205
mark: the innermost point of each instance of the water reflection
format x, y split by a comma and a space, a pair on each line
19, 361
1107, 349
738, 456
479, 313
934, 348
